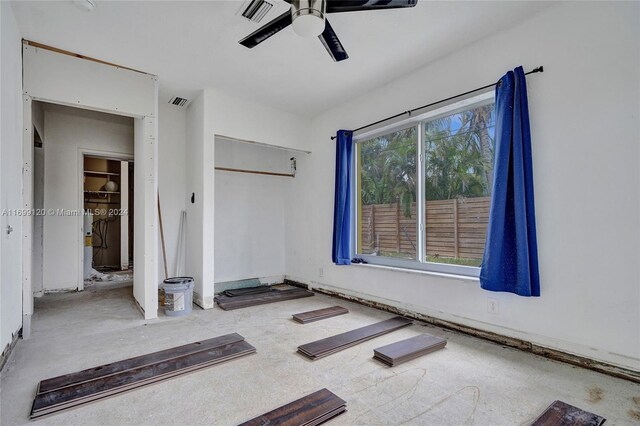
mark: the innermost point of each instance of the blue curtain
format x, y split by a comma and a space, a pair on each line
341, 253
510, 260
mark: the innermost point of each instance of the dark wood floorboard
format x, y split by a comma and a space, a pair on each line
562, 414
98, 397
247, 290
408, 349
333, 344
63, 398
229, 303
312, 409
319, 314
139, 361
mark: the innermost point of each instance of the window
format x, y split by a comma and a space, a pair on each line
388, 187
446, 231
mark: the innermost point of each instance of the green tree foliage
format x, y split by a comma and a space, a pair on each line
388, 169
459, 155
458, 160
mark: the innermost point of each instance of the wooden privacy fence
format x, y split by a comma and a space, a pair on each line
455, 228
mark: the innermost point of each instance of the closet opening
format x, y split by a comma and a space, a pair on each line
108, 219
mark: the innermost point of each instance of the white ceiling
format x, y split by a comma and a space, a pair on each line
194, 45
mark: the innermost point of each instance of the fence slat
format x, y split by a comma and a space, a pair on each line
454, 228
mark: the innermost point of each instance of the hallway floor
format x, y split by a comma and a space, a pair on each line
470, 382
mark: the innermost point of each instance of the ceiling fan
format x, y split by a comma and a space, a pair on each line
308, 20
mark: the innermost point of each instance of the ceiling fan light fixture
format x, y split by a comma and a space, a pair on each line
308, 17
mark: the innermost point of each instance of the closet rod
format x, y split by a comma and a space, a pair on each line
257, 172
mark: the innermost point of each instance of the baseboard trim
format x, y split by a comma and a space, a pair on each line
4, 357
523, 345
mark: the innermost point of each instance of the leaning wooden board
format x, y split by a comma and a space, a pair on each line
319, 314
237, 302
330, 345
408, 349
562, 414
310, 410
73, 395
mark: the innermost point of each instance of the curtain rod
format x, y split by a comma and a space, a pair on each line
257, 172
409, 112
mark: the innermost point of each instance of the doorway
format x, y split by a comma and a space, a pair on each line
107, 193
81, 164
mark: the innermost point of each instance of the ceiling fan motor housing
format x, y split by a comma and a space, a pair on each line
308, 17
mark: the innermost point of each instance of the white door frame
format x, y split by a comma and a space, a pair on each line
27, 220
108, 155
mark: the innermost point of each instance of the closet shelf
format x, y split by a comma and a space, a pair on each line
101, 192
101, 202
91, 172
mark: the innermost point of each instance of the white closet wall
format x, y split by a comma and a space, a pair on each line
249, 215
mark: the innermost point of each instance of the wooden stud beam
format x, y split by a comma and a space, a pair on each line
77, 55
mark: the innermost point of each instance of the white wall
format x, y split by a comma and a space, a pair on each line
172, 132
38, 221
145, 213
250, 212
69, 80
11, 170
585, 132
37, 111
66, 79
244, 119
216, 113
199, 242
67, 131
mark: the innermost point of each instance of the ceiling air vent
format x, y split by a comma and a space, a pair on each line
178, 101
257, 10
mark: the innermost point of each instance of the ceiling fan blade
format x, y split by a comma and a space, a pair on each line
267, 30
331, 42
337, 6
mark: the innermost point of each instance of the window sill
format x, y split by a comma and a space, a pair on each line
418, 271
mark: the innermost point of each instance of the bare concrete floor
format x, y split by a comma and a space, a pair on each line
471, 382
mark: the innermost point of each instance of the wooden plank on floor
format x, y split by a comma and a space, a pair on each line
71, 396
310, 410
229, 303
562, 414
408, 349
247, 290
135, 362
319, 314
330, 345
56, 409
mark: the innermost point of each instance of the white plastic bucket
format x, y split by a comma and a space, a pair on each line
178, 296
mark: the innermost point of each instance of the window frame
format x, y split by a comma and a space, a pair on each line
417, 121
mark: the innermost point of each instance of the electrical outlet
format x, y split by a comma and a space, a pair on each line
492, 306
321, 272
